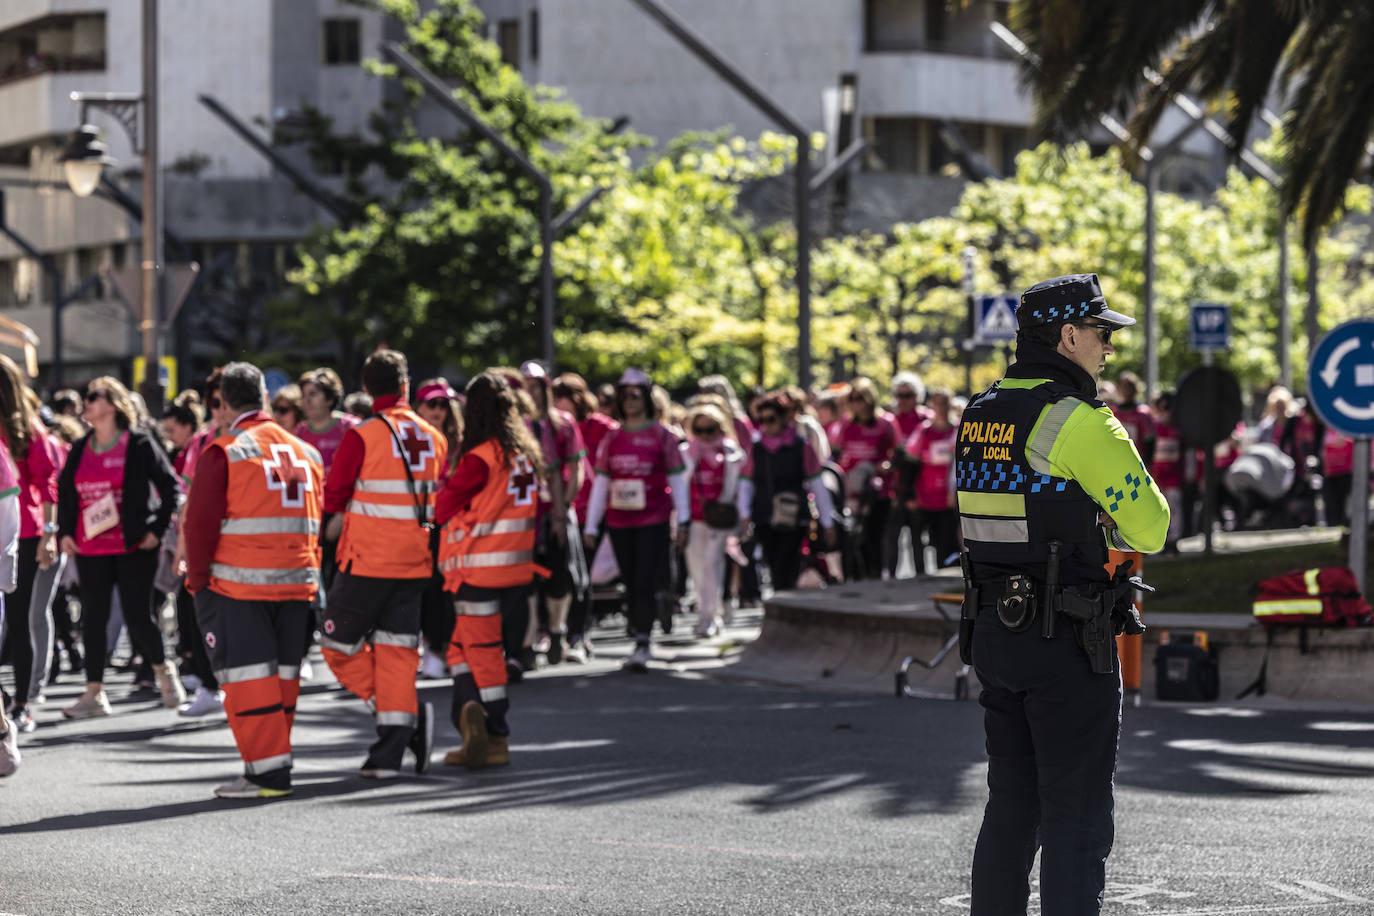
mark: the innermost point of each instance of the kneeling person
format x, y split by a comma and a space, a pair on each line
252, 525
486, 553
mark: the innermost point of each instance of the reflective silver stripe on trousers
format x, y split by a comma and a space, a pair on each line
497, 558
377, 510
994, 530
343, 647
387, 638
266, 765
397, 718
476, 608
289, 672
282, 525
392, 487
246, 576
501, 526
488, 694
246, 673
464, 668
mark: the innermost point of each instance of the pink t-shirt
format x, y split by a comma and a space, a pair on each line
593, 430
1338, 453
638, 462
562, 446
873, 444
1139, 422
934, 448
101, 474
327, 441
1167, 467
37, 481
744, 432
909, 421
708, 474
9, 473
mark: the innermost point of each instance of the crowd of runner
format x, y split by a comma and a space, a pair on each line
531, 507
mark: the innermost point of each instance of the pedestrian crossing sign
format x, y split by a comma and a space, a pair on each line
997, 318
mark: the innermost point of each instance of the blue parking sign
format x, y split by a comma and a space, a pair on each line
1209, 326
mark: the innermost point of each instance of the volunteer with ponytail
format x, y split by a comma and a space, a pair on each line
486, 553
641, 481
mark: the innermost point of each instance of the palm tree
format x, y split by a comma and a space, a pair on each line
1129, 57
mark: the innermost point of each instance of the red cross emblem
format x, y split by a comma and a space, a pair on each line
418, 445
522, 482
288, 474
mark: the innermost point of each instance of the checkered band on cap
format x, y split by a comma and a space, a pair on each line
1060, 300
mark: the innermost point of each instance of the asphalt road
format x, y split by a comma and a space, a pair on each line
671, 792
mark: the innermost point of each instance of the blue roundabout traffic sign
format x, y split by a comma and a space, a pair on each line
1340, 378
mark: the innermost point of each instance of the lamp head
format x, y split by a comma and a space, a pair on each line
85, 159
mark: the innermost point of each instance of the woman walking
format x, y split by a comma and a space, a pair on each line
437, 404
108, 519
714, 461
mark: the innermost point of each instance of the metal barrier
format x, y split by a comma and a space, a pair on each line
904, 688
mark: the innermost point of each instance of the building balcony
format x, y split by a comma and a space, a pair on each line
39, 108
929, 84
38, 64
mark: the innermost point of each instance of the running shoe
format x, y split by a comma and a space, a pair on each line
9, 752
378, 773
243, 788
576, 653
22, 719
191, 683
89, 707
433, 667
639, 659
422, 741
203, 703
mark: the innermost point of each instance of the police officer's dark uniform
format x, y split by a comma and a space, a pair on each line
1039, 461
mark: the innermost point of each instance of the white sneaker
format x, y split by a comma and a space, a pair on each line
191, 683
307, 670
9, 752
379, 773
88, 707
639, 659
204, 703
433, 667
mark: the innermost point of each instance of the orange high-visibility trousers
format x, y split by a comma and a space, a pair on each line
475, 655
255, 649
371, 641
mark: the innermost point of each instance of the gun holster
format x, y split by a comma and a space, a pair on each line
968, 611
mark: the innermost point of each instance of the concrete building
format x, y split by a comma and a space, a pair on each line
262, 59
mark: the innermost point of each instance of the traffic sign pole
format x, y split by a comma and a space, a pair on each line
1359, 515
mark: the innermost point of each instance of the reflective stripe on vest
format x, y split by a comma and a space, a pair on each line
394, 487
504, 526
488, 560
491, 544
252, 576
270, 526
373, 510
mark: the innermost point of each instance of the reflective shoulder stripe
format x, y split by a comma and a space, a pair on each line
1288, 606
241, 673
282, 525
1049, 426
994, 530
1012, 505
393, 487
311, 452
244, 448
377, 510
1310, 577
250, 576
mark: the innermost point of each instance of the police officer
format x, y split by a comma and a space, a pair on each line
1047, 481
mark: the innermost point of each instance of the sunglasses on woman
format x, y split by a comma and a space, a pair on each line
436, 403
280, 409
99, 394
705, 430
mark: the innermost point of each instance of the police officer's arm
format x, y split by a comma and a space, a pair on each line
1094, 449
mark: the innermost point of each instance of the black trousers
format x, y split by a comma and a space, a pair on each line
132, 573
1052, 729
436, 615
941, 528
782, 553
644, 555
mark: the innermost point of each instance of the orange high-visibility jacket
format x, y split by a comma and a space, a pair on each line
269, 539
382, 537
491, 544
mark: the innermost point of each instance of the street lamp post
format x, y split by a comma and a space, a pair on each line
84, 160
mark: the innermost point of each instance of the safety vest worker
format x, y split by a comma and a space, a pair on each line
486, 553
252, 525
1047, 481
382, 486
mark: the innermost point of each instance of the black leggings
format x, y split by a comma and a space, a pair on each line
17, 603
644, 557
133, 573
782, 551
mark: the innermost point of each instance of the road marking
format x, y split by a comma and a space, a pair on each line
773, 853
1342, 726
438, 879
1339, 895
1296, 891
1229, 711
1332, 755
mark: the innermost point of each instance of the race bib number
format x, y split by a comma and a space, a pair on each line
100, 516
627, 494
941, 452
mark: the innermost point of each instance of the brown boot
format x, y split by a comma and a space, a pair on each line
498, 751
169, 684
472, 725
456, 758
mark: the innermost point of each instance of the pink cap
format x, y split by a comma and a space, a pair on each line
435, 390
635, 377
